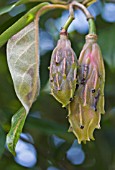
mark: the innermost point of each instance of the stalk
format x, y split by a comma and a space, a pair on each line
92, 28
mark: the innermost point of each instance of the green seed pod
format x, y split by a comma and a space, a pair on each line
88, 104
83, 119
63, 71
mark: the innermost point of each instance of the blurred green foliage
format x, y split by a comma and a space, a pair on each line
99, 154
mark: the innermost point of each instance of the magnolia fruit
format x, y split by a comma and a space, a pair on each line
63, 71
88, 104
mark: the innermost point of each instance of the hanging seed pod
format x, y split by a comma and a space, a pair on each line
83, 120
63, 71
88, 104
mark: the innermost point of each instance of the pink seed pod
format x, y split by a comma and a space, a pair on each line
63, 71
88, 104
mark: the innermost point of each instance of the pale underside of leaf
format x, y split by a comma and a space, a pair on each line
23, 64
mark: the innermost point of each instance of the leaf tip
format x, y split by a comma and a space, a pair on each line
10, 145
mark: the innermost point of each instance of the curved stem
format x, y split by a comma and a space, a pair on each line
92, 28
39, 13
68, 22
44, 10
83, 8
47, 8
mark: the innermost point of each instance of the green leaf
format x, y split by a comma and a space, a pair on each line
52, 1
6, 9
16, 128
2, 141
20, 24
23, 64
22, 2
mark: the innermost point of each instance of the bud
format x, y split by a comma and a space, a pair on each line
63, 71
88, 104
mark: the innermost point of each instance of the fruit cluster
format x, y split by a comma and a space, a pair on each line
79, 85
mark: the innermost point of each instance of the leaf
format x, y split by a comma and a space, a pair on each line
6, 9
24, 65
2, 141
16, 128
52, 1
23, 62
20, 24
26, 1
22, 2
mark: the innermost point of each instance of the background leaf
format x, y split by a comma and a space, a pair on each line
16, 128
24, 65
20, 24
6, 9
2, 141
